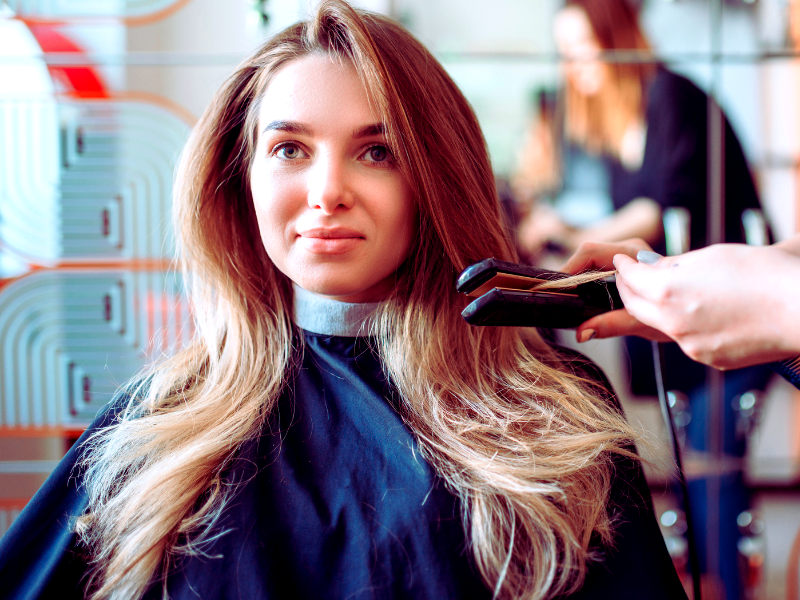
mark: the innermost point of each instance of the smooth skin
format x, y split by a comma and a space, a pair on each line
335, 213
727, 306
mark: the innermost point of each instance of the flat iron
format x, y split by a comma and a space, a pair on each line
504, 297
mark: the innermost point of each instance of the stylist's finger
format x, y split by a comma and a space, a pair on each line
589, 255
616, 323
596, 255
648, 281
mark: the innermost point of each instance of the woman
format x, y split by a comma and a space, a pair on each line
336, 430
648, 123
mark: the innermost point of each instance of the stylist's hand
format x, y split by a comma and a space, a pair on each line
599, 256
727, 305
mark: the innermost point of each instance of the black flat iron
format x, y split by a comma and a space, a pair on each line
504, 297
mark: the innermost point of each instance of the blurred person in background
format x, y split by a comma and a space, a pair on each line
650, 126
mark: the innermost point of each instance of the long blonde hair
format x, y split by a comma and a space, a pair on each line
599, 122
523, 442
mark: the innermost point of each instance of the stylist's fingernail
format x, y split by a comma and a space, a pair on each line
586, 335
647, 257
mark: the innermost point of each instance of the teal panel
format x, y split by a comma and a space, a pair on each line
87, 179
69, 338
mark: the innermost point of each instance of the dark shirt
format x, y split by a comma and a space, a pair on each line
674, 167
334, 501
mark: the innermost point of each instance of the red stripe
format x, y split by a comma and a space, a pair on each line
84, 81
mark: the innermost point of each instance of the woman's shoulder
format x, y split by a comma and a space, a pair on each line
636, 564
580, 364
669, 84
674, 94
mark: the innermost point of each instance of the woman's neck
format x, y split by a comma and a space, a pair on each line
319, 314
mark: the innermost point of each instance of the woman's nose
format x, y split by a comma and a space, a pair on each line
329, 186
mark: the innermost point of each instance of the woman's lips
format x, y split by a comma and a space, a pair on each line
330, 241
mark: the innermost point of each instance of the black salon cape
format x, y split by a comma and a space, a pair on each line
675, 163
334, 501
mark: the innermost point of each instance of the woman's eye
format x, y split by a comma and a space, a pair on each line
377, 154
289, 152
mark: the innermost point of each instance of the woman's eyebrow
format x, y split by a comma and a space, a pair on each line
369, 130
296, 127
290, 126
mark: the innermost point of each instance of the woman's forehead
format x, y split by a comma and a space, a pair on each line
318, 90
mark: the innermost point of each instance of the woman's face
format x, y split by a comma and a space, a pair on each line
576, 42
334, 211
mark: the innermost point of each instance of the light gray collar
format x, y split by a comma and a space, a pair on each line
319, 314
